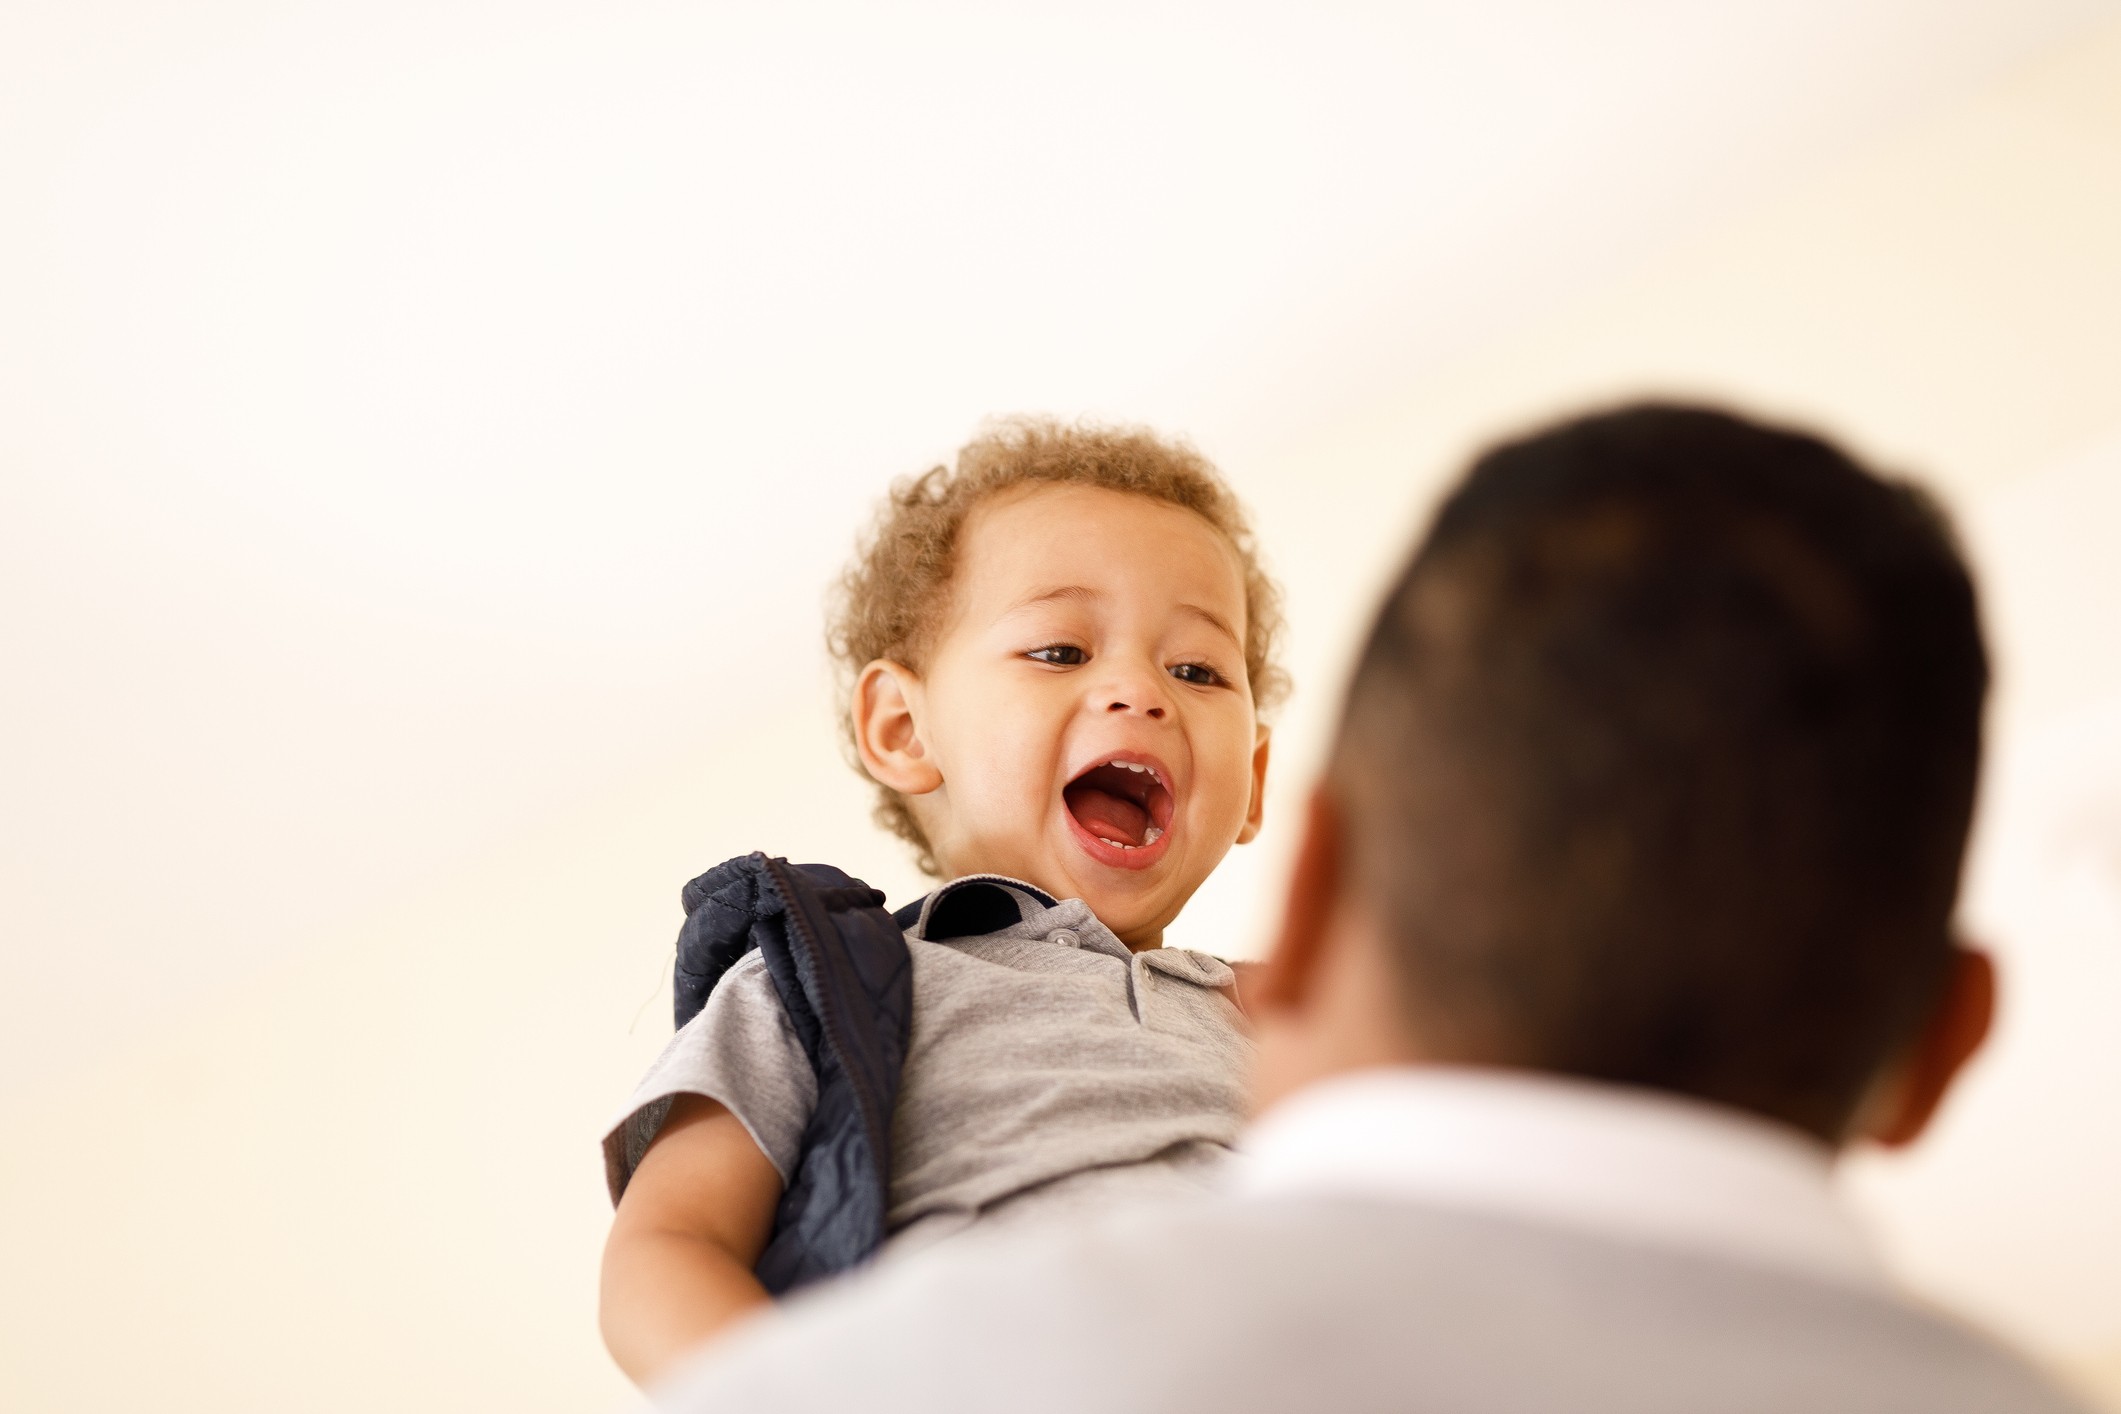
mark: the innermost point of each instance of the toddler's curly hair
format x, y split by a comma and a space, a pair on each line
892, 597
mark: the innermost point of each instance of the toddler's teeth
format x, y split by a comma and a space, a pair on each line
1153, 835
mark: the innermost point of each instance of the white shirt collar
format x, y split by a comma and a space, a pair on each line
1632, 1164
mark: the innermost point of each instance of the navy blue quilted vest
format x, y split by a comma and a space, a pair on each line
840, 967
841, 970
839, 964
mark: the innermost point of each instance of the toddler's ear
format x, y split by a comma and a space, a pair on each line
887, 732
1263, 738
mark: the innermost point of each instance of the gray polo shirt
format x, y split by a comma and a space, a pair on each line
1050, 1071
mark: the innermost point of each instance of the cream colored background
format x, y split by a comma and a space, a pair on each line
427, 432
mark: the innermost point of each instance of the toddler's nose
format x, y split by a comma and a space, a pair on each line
1130, 686
1134, 692
1151, 710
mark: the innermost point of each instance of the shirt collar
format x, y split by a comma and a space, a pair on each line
1620, 1162
972, 906
996, 906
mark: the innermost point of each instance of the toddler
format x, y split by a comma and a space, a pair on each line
1056, 658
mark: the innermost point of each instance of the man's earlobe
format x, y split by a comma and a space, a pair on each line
1911, 1092
887, 731
1263, 738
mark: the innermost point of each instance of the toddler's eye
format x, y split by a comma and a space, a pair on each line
1060, 655
1199, 674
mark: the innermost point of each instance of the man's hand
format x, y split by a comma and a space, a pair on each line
1248, 975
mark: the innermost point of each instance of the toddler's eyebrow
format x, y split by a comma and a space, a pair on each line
1050, 596
1214, 621
1084, 593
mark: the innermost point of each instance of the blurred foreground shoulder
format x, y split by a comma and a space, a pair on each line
1353, 1305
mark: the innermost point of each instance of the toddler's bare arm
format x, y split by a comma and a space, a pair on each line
694, 1218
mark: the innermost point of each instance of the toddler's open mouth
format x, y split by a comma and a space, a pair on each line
1121, 809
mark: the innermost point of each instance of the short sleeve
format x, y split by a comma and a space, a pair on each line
741, 1050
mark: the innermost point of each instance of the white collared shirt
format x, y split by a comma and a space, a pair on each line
1614, 1161
1271, 1300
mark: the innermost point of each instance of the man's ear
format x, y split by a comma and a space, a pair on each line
1292, 968
1263, 738
887, 732
1909, 1094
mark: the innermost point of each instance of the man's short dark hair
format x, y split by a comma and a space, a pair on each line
1659, 761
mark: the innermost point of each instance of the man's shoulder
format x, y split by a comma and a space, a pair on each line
1296, 1303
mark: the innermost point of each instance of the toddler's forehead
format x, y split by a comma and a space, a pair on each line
1031, 530
1028, 542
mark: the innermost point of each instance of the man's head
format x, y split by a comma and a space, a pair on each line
1055, 658
1657, 769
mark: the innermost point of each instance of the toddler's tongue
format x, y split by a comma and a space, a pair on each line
1108, 816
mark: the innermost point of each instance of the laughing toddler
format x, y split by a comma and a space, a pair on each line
1056, 656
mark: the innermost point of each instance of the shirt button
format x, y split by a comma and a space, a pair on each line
1066, 939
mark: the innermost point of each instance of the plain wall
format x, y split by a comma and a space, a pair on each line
368, 1178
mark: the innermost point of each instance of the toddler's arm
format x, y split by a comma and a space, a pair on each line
694, 1218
